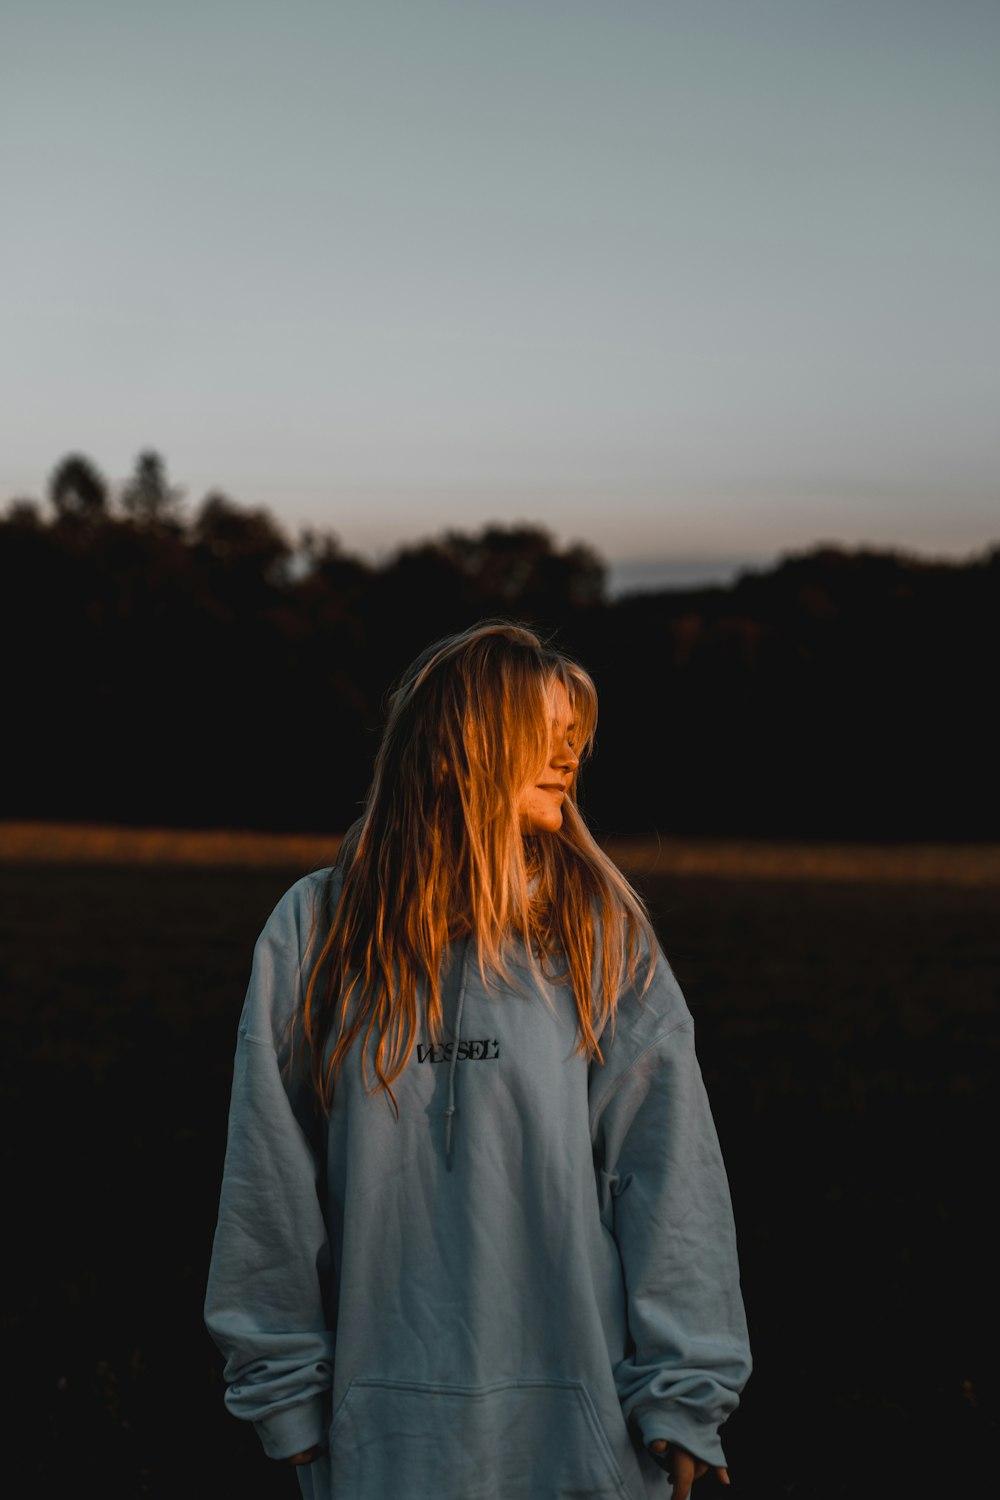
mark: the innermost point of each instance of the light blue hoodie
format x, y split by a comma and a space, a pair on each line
515, 1318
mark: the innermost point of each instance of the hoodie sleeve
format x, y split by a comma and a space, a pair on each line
665, 1198
264, 1306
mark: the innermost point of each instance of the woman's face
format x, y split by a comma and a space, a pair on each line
540, 803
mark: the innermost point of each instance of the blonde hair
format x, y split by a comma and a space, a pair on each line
439, 854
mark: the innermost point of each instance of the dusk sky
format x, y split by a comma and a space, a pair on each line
695, 282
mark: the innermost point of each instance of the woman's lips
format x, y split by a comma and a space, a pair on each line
550, 786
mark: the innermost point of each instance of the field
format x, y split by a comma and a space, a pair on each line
845, 1003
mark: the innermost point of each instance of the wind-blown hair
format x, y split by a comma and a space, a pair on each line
439, 854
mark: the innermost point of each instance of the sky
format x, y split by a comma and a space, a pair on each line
697, 282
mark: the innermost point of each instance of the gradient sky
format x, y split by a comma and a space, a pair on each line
691, 281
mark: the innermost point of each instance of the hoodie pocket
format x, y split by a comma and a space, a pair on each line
515, 1440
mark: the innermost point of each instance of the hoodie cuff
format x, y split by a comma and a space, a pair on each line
701, 1442
293, 1429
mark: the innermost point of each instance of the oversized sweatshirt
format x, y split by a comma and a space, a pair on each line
507, 1292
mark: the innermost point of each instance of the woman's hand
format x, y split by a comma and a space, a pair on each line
682, 1466
303, 1458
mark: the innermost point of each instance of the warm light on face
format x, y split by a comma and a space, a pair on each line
541, 802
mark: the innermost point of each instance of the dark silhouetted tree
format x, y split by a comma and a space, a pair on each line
23, 514
238, 538
518, 568
77, 489
148, 496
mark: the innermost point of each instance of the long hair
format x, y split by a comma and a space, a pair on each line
439, 854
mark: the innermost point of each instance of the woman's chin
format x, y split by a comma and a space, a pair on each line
550, 823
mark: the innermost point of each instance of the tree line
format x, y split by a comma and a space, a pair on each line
207, 669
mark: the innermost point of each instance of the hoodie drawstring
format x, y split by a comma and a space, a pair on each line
450, 1111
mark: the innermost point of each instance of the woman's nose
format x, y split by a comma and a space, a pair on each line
566, 756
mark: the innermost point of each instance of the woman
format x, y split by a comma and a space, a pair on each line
475, 1239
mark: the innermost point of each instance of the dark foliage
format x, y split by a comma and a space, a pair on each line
148, 496
212, 671
77, 490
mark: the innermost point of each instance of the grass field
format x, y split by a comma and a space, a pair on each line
953, 864
846, 1026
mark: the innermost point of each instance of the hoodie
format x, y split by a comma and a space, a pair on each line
507, 1292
